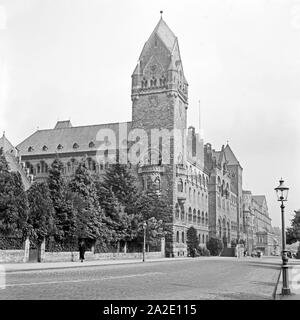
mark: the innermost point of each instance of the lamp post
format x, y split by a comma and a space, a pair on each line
144, 244
282, 193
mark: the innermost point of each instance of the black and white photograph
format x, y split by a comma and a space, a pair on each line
149, 151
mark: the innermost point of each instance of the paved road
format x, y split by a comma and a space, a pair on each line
210, 278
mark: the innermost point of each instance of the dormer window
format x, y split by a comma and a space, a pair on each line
30, 149
75, 146
59, 147
91, 144
45, 148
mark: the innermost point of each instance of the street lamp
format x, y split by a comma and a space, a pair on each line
282, 193
144, 244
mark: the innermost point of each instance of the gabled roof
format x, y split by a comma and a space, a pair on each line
5, 144
259, 199
15, 166
10, 154
231, 158
66, 137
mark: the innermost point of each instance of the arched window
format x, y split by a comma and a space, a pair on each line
45, 148
206, 218
198, 218
177, 211
206, 238
194, 197
182, 236
203, 179
199, 237
30, 149
75, 145
180, 185
220, 229
194, 216
199, 198
203, 241
190, 194
190, 217
59, 147
177, 236
182, 213
38, 168
91, 144
202, 220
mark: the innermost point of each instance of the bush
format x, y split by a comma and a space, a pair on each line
202, 251
215, 246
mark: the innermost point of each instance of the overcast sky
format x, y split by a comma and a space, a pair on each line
73, 59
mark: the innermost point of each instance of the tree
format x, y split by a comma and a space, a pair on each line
293, 233
121, 183
117, 220
117, 194
154, 209
13, 202
41, 211
215, 246
90, 222
192, 240
64, 217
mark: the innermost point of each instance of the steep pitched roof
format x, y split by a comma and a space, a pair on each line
6, 145
259, 199
10, 154
47, 141
15, 166
165, 34
231, 158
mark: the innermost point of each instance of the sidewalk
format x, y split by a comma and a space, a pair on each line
19, 267
294, 283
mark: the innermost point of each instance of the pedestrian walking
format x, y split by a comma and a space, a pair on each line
81, 250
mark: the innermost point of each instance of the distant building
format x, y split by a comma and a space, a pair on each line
11, 155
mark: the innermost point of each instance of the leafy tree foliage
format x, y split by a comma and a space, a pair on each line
121, 183
215, 246
41, 211
90, 222
64, 216
293, 233
13, 202
192, 240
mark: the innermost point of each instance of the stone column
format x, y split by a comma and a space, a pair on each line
26, 250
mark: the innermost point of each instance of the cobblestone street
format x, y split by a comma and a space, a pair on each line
199, 278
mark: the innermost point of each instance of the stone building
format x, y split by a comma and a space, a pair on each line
225, 201
13, 160
170, 155
258, 230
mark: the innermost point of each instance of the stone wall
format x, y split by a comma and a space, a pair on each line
11, 256
89, 256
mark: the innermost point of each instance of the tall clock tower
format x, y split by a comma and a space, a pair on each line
160, 101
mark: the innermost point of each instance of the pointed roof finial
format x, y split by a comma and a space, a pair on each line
161, 12
3, 133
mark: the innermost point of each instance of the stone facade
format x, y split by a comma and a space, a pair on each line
204, 186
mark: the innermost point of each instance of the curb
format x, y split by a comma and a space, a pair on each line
39, 268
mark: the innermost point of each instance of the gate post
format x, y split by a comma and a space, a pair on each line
26, 249
163, 246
